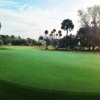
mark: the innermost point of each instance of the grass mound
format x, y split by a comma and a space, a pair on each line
12, 91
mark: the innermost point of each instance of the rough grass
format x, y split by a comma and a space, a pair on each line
27, 73
43, 47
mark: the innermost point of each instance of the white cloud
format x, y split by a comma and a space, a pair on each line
90, 2
25, 7
5, 3
29, 21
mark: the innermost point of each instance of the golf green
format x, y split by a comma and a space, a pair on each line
52, 70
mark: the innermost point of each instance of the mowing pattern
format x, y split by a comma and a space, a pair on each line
52, 70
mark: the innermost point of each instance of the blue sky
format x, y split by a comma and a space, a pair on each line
29, 18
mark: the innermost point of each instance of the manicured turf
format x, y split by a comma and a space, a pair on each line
48, 72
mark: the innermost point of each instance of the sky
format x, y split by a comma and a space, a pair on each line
29, 18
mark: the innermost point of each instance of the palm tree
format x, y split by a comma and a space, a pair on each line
51, 35
67, 25
60, 33
56, 36
46, 38
46, 32
41, 38
53, 32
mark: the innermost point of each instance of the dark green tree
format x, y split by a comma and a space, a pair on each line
90, 19
67, 25
84, 38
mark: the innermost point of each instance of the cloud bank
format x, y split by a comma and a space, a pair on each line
28, 20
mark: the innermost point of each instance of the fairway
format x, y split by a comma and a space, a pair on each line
74, 72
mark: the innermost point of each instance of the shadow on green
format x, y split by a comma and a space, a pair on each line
11, 91
4, 48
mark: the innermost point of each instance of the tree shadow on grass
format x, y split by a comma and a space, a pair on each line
11, 91
4, 48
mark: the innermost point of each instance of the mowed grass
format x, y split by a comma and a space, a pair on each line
50, 75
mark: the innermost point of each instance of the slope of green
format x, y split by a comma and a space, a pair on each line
51, 70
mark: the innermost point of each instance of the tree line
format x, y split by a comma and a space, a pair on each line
86, 38
16, 40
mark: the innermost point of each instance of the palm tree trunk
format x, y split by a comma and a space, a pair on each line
89, 47
93, 48
67, 33
46, 47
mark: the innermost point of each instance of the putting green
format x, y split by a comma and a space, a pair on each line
53, 70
